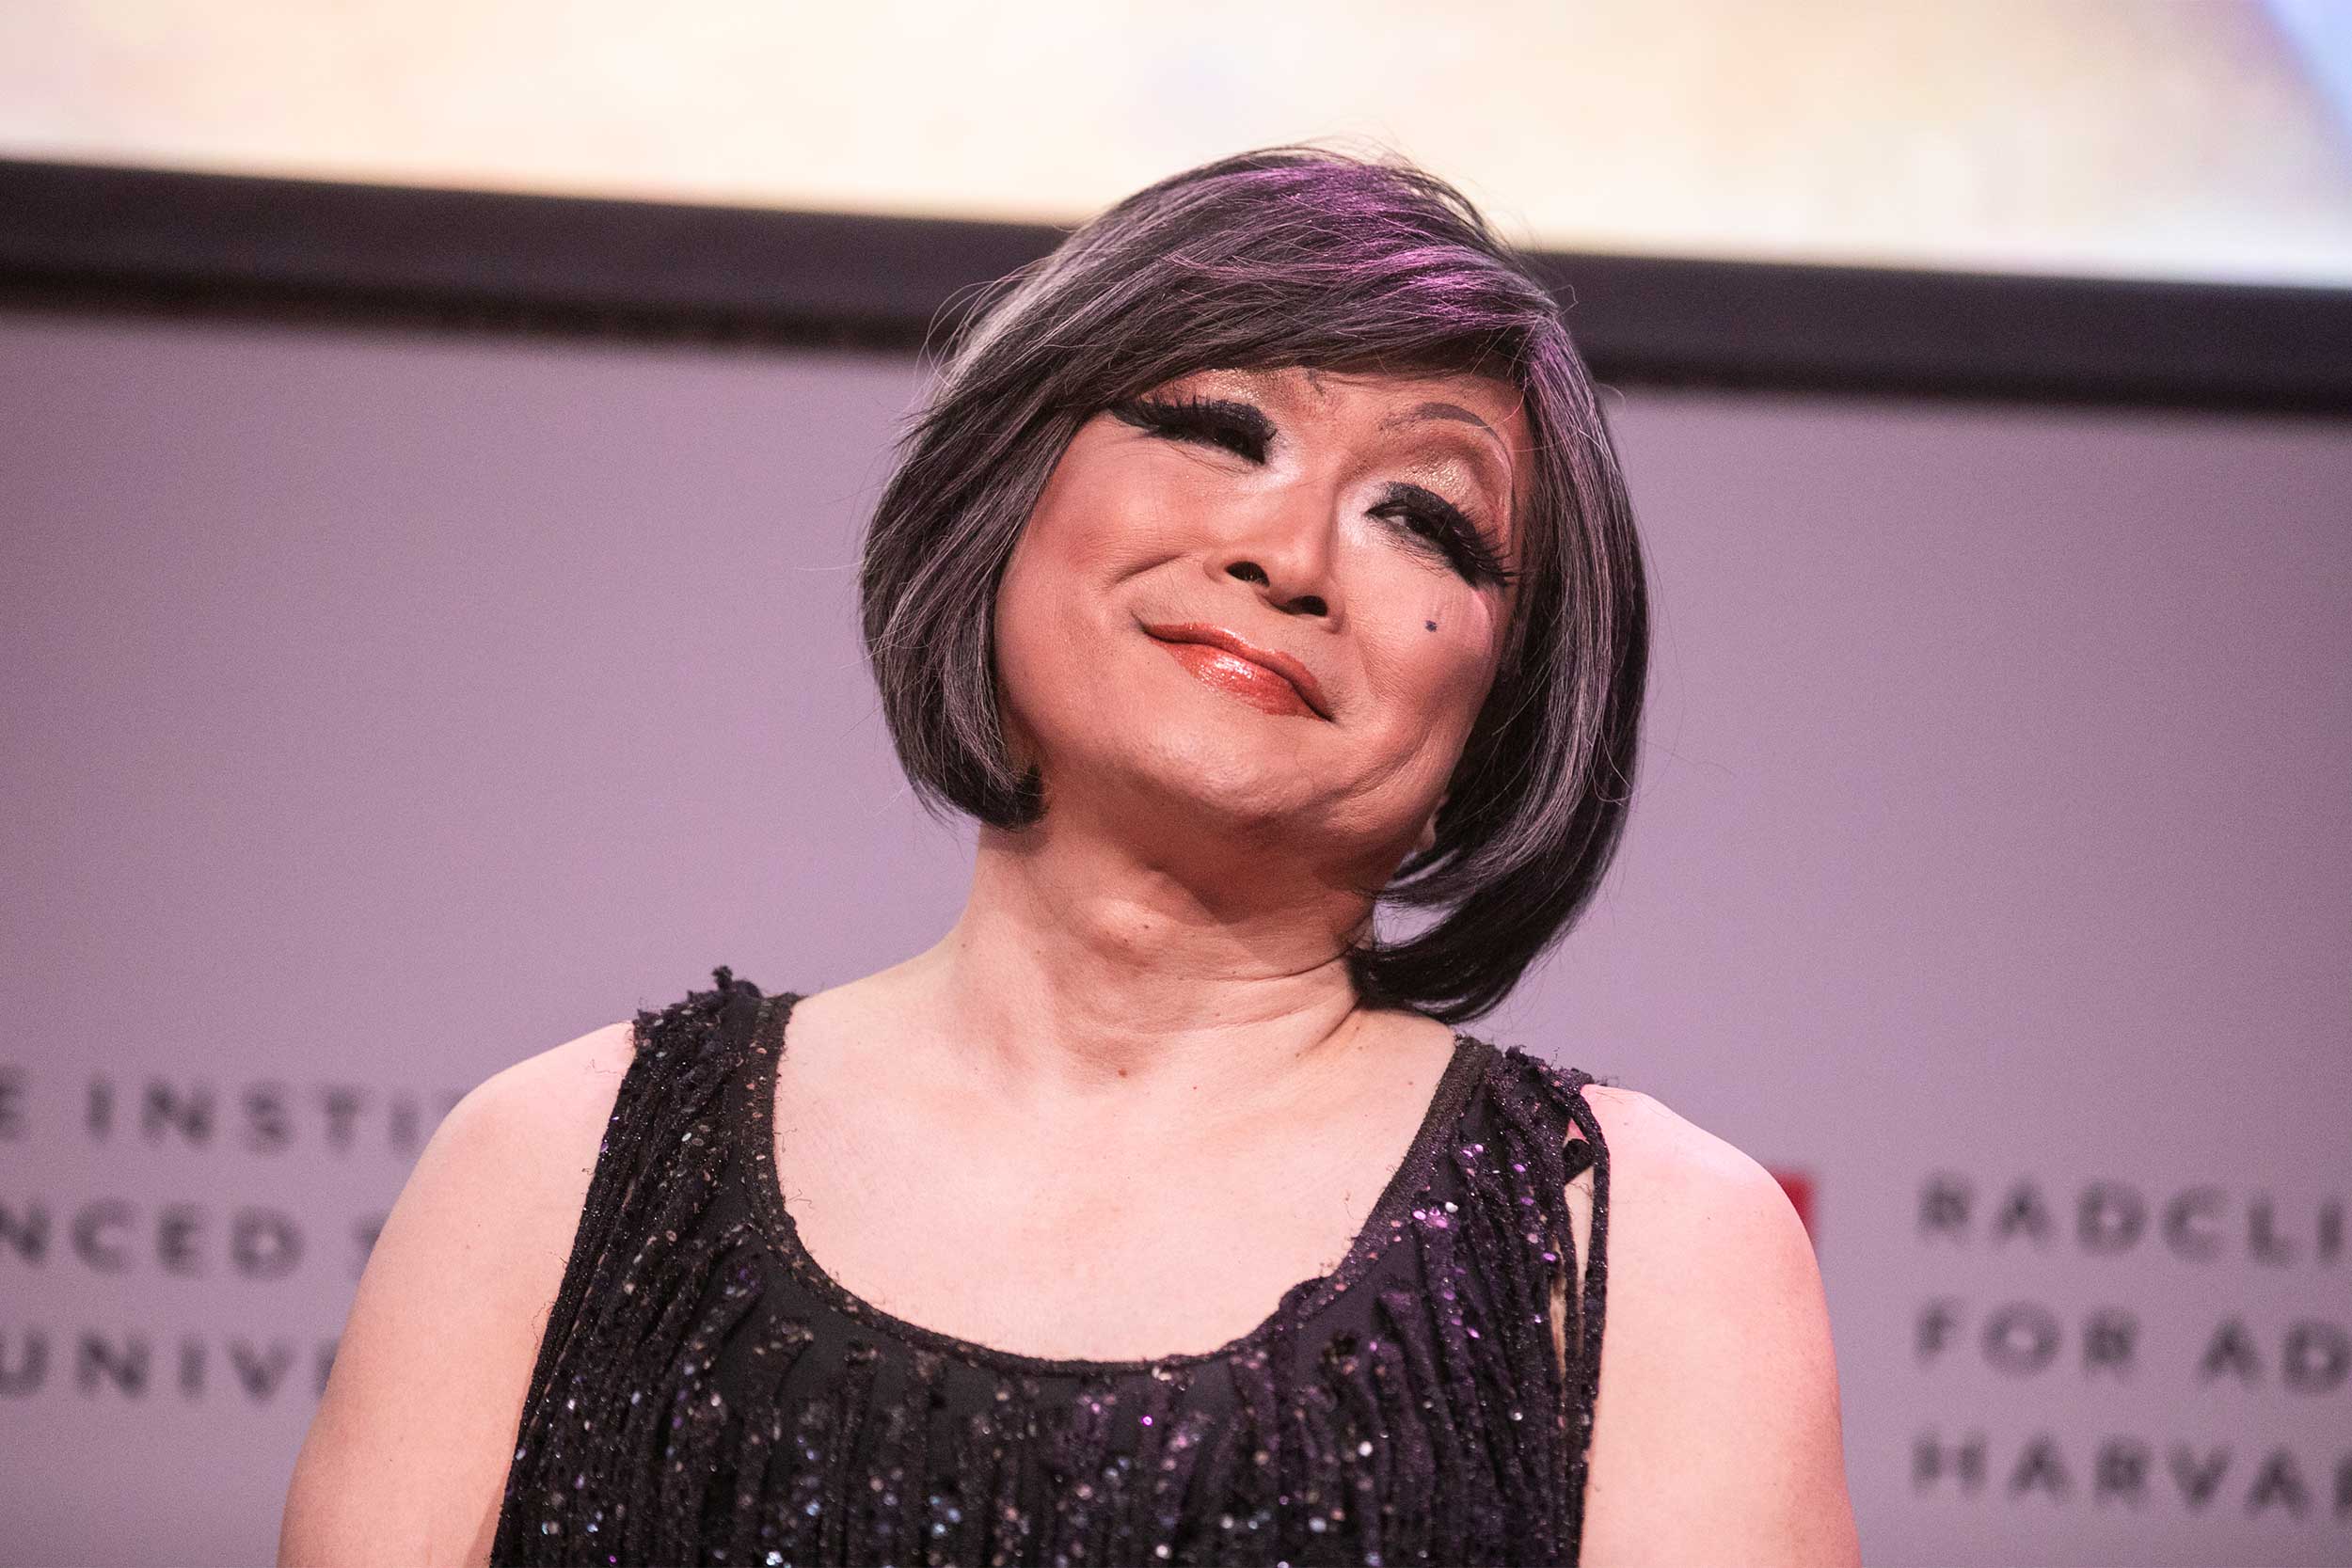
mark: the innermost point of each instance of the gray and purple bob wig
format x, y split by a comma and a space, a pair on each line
1291, 256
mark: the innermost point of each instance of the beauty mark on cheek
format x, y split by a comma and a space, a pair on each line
1431, 625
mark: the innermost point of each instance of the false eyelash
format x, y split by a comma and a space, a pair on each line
1211, 418
1465, 547
1473, 554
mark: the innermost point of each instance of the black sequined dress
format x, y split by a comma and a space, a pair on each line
705, 1393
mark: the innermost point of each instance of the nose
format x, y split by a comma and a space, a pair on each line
1286, 551
1293, 604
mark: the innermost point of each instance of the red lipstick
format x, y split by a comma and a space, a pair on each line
1266, 680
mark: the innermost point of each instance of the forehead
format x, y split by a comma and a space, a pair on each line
1478, 403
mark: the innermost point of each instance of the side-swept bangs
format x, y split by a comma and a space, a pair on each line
1286, 256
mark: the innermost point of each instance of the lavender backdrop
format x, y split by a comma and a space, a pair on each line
382, 708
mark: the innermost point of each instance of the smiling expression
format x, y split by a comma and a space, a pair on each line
1336, 552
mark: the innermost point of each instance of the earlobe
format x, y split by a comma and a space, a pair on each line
1429, 839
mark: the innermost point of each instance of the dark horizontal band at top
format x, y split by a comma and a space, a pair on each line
78, 235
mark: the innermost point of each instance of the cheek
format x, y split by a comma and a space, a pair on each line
1056, 609
1429, 666
1032, 636
1091, 528
1049, 562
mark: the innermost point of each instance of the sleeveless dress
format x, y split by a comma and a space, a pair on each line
705, 1393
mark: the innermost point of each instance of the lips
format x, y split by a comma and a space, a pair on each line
1270, 681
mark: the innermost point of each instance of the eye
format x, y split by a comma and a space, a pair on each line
1238, 427
1438, 520
1243, 429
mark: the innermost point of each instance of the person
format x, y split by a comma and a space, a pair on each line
1259, 565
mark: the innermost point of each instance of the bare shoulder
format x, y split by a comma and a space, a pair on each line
520, 1148
561, 1092
405, 1460
1717, 1434
1685, 1171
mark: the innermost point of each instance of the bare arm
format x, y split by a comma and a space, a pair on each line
1717, 1437
405, 1461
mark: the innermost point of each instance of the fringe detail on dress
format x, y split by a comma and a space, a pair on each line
1561, 1092
1448, 1433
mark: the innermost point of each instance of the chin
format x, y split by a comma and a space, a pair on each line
1195, 769
1252, 778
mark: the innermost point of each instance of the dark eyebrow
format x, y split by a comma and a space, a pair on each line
1437, 411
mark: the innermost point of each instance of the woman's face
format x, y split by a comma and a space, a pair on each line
1231, 528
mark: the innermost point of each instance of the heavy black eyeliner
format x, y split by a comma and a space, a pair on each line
1213, 420
1208, 418
1472, 555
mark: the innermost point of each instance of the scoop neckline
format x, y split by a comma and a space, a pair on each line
754, 1124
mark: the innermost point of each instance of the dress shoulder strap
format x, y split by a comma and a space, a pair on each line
665, 1115
640, 1236
1567, 1181
665, 1121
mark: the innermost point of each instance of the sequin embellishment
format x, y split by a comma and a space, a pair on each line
704, 1393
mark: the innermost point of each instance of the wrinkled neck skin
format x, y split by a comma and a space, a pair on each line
1120, 960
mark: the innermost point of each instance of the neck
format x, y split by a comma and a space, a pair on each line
1087, 964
